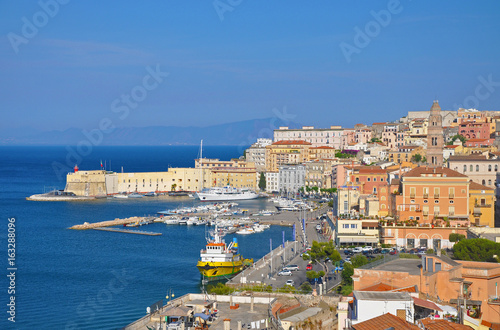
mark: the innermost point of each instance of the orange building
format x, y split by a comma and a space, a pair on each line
286, 152
433, 195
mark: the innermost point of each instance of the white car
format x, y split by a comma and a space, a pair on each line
285, 272
291, 268
357, 249
290, 282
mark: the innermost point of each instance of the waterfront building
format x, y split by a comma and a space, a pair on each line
481, 205
481, 169
291, 178
435, 140
217, 163
432, 195
272, 181
286, 152
368, 178
257, 153
409, 234
317, 137
349, 232
234, 177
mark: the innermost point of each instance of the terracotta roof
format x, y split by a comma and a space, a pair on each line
443, 325
285, 142
379, 287
419, 171
383, 322
409, 289
426, 304
477, 186
322, 147
469, 157
452, 146
379, 123
494, 326
477, 140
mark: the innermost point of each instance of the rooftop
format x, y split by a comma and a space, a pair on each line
410, 266
384, 322
430, 324
477, 186
381, 295
285, 142
424, 170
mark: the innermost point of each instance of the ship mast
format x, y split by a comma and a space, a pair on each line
201, 165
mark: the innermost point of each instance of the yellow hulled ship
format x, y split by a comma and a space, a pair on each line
221, 261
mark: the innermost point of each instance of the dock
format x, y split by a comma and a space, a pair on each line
110, 223
129, 231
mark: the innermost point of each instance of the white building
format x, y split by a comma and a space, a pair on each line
318, 137
291, 178
369, 304
272, 181
257, 153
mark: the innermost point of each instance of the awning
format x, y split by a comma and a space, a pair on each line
202, 315
426, 304
469, 302
358, 239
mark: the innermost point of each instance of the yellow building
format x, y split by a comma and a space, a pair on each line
237, 178
481, 205
286, 152
319, 153
404, 154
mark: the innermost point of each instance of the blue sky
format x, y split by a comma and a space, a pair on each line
259, 56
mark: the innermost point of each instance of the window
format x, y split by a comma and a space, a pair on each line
436, 210
471, 168
465, 168
353, 226
489, 182
489, 168
477, 168
451, 210
345, 226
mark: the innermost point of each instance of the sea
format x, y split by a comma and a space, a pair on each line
67, 279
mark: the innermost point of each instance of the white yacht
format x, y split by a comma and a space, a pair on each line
225, 194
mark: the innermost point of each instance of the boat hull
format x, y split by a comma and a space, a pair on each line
204, 197
213, 271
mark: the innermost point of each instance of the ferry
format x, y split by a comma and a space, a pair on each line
225, 194
220, 261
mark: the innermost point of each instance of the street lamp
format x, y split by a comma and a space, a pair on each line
170, 295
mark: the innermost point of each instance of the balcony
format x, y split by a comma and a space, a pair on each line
412, 196
436, 196
451, 196
494, 300
425, 196
482, 205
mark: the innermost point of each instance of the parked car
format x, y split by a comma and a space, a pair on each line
384, 251
318, 227
377, 250
367, 248
357, 249
309, 267
393, 252
285, 272
290, 282
291, 267
348, 252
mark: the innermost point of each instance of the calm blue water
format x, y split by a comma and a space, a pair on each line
70, 279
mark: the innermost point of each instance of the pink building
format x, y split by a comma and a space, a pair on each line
473, 130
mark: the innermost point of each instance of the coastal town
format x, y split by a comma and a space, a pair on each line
409, 208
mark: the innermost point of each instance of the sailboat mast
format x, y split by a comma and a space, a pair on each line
201, 165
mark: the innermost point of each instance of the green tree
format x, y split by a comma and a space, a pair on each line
417, 158
375, 140
262, 181
346, 290
173, 187
455, 137
359, 260
347, 273
454, 237
476, 249
306, 288
330, 204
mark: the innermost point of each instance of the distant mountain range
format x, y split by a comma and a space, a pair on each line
236, 133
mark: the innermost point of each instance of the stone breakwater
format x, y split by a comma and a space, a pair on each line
109, 223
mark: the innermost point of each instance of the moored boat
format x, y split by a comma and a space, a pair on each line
219, 260
225, 194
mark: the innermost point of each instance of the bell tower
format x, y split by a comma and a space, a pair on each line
435, 140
